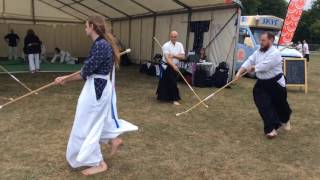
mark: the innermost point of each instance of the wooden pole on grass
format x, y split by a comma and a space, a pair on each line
217, 91
48, 85
15, 78
210, 96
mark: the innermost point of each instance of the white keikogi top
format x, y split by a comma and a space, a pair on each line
306, 48
267, 64
174, 49
299, 48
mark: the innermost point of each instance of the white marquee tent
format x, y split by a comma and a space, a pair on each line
135, 22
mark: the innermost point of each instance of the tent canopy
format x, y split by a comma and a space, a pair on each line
134, 23
75, 11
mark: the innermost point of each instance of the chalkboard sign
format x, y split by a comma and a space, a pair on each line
295, 70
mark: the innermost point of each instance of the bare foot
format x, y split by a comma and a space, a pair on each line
287, 126
95, 170
115, 144
176, 103
273, 134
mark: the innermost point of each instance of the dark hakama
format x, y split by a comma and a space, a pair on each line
167, 87
271, 100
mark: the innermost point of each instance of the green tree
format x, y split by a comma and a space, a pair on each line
250, 7
309, 26
315, 10
265, 7
315, 31
277, 8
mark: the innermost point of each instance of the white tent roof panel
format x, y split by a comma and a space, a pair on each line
163, 5
79, 10
102, 8
74, 12
1, 5
83, 9
54, 3
45, 11
127, 6
18, 7
67, 1
196, 3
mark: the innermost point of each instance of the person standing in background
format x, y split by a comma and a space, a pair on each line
203, 55
32, 48
12, 39
173, 52
306, 52
299, 47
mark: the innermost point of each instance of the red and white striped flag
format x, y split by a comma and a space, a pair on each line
291, 22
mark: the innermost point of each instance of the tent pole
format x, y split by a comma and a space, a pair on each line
141, 20
130, 28
91, 9
188, 31
182, 11
32, 12
144, 7
66, 5
40, 20
3, 7
235, 45
61, 10
114, 8
221, 29
153, 34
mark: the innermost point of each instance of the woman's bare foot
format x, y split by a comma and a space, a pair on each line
95, 170
115, 144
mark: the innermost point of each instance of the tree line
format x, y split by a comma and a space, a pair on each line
309, 26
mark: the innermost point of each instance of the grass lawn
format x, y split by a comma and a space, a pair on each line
223, 142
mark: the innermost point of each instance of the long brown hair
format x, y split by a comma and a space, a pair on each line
104, 30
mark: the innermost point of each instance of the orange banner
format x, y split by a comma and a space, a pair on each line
291, 22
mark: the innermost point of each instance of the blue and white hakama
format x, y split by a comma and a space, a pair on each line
96, 121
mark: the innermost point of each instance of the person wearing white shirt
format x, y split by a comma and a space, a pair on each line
64, 56
299, 47
306, 51
173, 52
270, 94
43, 56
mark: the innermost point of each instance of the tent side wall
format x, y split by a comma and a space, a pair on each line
139, 36
71, 38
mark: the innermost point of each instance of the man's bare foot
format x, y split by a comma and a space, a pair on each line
95, 170
176, 103
287, 126
273, 134
115, 144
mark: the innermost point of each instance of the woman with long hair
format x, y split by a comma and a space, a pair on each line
32, 48
96, 120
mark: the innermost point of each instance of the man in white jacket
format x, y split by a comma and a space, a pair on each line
270, 93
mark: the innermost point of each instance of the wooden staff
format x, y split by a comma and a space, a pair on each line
210, 96
49, 85
190, 87
216, 92
15, 78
